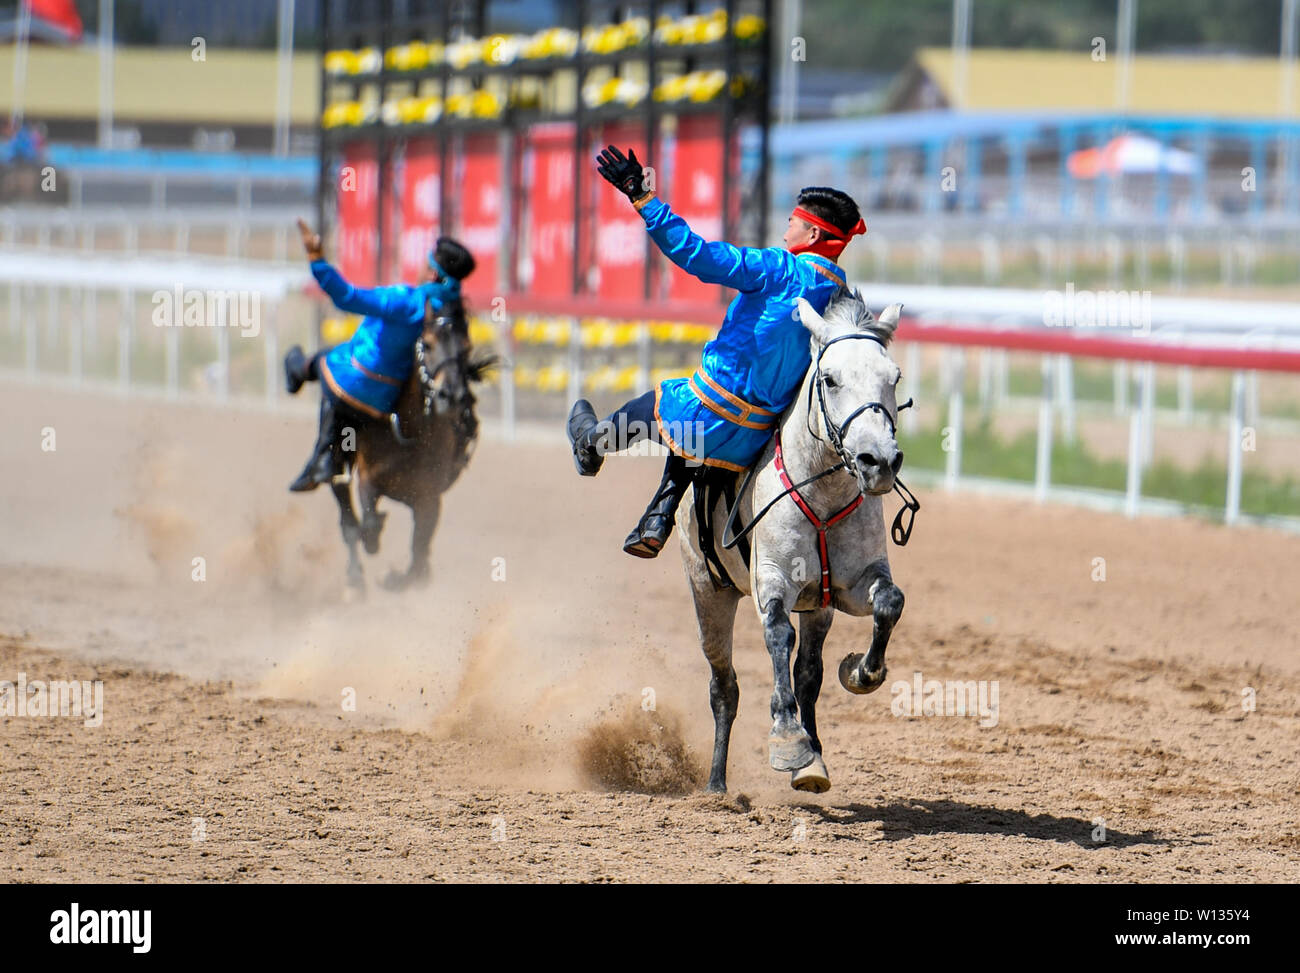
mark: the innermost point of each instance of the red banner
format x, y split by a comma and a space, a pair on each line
421, 210
478, 185
696, 195
620, 240
548, 182
358, 236
58, 13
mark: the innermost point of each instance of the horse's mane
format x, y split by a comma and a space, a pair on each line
478, 365
847, 311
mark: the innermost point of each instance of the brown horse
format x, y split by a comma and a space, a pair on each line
415, 457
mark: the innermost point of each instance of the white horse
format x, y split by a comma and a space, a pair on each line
816, 549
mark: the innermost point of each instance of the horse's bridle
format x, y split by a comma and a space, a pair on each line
467, 429
429, 378
835, 432
900, 532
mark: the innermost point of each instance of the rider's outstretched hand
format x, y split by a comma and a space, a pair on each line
622, 172
311, 242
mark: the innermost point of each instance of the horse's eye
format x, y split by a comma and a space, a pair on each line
829, 382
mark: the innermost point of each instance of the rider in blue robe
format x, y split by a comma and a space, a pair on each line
362, 377
723, 415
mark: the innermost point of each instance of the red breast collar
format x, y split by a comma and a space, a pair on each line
821, 525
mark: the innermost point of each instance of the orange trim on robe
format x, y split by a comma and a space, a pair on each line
350, 400
668, 441
375, 376
721, 413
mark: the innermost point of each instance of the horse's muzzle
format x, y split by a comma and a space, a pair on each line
876, 471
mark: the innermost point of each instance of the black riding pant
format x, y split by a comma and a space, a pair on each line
335, 417
633, 422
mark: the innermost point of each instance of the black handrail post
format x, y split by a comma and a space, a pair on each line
323, 179
580, 71
765, 124
383, 145
728, 119
441, 129
651, 137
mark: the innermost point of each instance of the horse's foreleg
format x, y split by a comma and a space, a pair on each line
351, 534
813, 628
789, 746
715, 611
866, 673
372, 521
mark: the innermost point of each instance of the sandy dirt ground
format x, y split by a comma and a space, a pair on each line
499, 730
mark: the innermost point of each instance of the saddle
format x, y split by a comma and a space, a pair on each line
711, 484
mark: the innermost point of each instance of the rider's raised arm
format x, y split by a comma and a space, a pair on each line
714, 262
382, 302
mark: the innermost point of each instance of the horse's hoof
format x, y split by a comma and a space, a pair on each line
354, 593
813, 778
395, 581
790, 751
849, 675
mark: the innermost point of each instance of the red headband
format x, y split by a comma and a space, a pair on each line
834, 242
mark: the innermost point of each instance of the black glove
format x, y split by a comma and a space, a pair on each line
622, 172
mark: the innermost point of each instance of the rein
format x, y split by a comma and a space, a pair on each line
900, 532
426, 380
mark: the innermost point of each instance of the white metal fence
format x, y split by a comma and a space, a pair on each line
93, 320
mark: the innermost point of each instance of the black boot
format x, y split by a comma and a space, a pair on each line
297, 369
583, 431
656, 525
321, 467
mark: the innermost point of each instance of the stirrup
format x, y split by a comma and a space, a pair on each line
645, 542
639, 545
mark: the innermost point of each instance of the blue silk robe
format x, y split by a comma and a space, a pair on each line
724, 414
368, 370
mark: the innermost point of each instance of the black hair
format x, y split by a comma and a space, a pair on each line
836, 208
453, 258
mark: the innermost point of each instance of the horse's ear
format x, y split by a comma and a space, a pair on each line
887, 323
813, 321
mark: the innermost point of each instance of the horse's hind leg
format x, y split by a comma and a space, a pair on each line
425, 514
789, 746
813, 628
866, 673
351, 534
715, 611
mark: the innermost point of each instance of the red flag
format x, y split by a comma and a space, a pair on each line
60, 13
